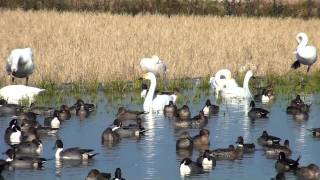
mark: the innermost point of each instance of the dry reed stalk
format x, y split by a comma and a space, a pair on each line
84, 46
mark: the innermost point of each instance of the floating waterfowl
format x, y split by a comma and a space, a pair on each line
257, 112
33, 147
206, 160
246, 148
95, 174
311, 171
265, 96
158, 102
210, 109
13, 134
265, 139
125, 114
125, 132
184, 141
23, 162
284, 164
221, 80
72, 153
118, 175
201, 141
184, 112
187, 166
230, 153
199, 121
239, 92
275, 149
170, 110
109, 136
305, 54
20, 64
315, 132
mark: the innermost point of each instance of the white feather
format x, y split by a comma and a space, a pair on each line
15, 93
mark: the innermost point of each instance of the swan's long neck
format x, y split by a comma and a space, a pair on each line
246, 84
147, 105
303, 41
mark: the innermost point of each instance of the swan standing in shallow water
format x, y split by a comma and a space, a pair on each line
15, 93
20, 64
239, 92
158, 102
154, 65
222, 79
305, 54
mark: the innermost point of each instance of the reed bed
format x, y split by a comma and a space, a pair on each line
71, 47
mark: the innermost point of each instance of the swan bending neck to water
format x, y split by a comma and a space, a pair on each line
239, 92
305, 54
158, 102
221, 80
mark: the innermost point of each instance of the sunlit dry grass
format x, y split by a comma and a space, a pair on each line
75, 47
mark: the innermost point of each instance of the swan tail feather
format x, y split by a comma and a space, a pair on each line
295, 65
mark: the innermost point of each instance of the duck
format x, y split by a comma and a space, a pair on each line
199, 121
158, 102
210, 109
315, 132
230, 153
266, 139
305, 54
246, 148
257, 112
41, 110
206, 160
184, 141
297, 106
9, 109
13, 134
14, 94
20, 64
284, 164
221, 80
118, 175
64, 113
275, 149
179, 123
184, 112
154, 65
187, 167
23, 162
239, 92
312, 171
89, 106
95, 174
30, 134
82, 112
265, 96
74, 153
33, 147
125, 114
53, 122
279, 176
125, 132
109, 136
170, 110
202, 139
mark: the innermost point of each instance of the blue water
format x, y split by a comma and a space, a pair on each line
154, 155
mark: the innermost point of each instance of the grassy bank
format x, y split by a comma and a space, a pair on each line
92, 48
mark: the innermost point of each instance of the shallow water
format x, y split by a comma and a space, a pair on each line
154, 155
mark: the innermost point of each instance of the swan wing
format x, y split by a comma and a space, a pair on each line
308, 52
160, 101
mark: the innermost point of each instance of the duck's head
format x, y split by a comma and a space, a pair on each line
186, 161
208, 102
204, 132
265, 134
13, 123
59, 143
286, 143
117, 173
240, 140
313, 167
184, 134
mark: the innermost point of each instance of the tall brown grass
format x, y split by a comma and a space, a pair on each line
76, 47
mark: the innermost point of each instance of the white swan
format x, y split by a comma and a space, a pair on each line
151, 102
154, 65
222, 79
305, 54
20, 64
15, 93
239, 92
